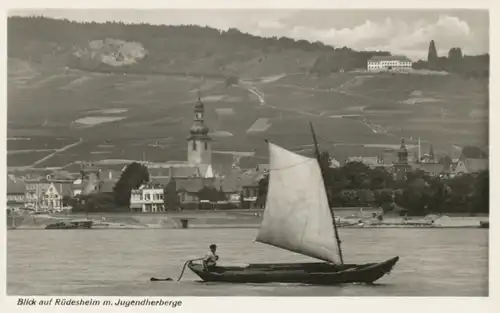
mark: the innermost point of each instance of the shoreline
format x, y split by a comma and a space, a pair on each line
228, 219
253, 226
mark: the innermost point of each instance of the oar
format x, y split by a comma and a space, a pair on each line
180, 276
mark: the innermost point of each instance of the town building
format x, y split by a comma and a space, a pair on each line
188, 192
470, 166
88, 182
250, 195
15, 193
95, 180
384, 160
47, 193
371, 162
389, 63
148, 198
432, 169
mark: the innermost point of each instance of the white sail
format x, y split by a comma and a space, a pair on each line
297, 216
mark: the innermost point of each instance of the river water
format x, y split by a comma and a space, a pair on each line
433, 262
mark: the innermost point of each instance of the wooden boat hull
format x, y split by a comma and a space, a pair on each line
302, 273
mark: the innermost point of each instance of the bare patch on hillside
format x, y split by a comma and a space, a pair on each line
260, 125
75, 83
224, 111
100, 152
418, 100
96, 120
220, 133
271, 79
114, 52
220, 98
108, 111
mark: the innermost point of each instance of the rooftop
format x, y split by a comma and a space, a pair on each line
390, 58
475, 165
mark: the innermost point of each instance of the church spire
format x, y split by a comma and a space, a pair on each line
199, 128
199, 143
403, 152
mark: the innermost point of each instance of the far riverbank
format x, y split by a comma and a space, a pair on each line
229, 219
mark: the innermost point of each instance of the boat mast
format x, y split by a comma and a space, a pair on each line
318, 157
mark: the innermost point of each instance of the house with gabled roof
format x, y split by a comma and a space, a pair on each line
471, 165
40, 192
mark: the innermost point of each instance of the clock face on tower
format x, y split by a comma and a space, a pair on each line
198, 116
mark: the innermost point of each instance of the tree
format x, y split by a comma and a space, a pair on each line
446, 161
460, 190
69, 201
432, 56
324, 160
473, 152
262, 191
438, 193
455, 59
383, 197
171, 199
98, 202
211, 194
431, 152
133, 176
480, 202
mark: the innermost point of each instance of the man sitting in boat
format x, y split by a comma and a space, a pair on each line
210, 259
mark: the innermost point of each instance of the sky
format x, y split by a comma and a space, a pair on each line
402, 32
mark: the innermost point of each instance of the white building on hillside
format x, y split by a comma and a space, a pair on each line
389, 63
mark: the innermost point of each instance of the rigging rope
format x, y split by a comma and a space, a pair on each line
290, 166
184, 267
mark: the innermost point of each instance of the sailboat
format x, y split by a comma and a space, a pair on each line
298, 218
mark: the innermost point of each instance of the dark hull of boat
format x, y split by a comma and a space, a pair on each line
484, 224
302, 273
60, 227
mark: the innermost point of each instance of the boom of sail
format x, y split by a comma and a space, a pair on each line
297, 216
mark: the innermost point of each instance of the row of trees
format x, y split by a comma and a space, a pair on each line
206, 38
170, 48
355, 184
455, 62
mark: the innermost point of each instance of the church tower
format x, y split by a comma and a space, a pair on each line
401, 166
199, 143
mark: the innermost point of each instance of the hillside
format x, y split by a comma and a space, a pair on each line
127, 92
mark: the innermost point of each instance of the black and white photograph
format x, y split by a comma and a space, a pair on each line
265, 152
